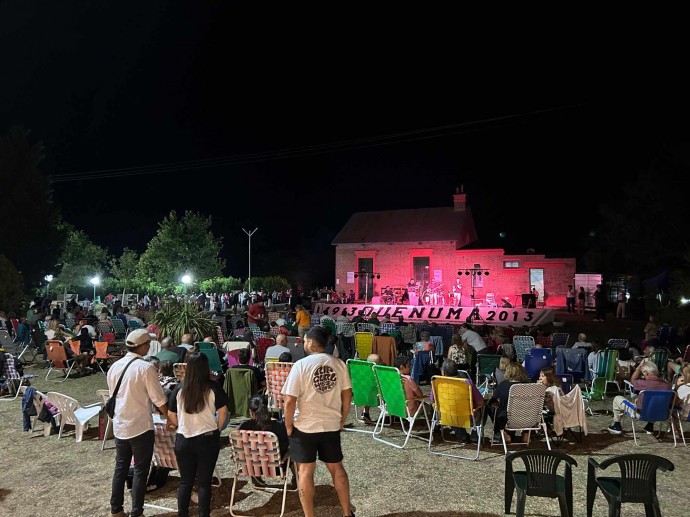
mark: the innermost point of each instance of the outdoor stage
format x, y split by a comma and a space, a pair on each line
516, 316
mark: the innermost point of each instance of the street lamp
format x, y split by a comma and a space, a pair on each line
249, 276
186, 279
48, 278
95, 281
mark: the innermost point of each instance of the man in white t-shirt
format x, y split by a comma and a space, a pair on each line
318, 394
133, 423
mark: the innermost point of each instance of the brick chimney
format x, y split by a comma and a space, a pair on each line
459, 199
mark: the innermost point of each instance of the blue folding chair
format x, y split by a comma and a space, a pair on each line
535, 360
657, 406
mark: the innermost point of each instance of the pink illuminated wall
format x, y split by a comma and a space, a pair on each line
395, 263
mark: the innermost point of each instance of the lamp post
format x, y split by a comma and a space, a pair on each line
367, 275
95, 281
48, 278
249, 276
475, 271
186, 279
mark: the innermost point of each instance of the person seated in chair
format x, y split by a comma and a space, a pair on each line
645, 377
413, 393
548, 377
260, 420
450, 369
498, 405
243, 356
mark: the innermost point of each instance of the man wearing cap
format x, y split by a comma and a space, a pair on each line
133, 423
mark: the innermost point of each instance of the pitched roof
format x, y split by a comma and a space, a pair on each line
419, 224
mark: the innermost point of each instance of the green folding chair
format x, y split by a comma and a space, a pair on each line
603, 375
486, 368
204, 345
394, 403
660, 359
365, 391
214, 363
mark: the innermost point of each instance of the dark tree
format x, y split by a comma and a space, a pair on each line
28, 218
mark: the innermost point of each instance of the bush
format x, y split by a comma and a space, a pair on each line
178, 318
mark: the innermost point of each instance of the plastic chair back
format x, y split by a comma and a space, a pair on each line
364, 388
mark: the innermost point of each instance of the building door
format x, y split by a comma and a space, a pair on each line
420, 271
365, 280
536, 281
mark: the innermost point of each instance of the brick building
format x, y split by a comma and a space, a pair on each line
434, 246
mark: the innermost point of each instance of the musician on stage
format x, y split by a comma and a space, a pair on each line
434, 292
457, 293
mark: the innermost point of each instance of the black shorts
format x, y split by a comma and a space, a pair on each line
305, 446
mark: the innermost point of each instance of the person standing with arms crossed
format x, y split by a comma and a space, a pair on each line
133, 423
318, 394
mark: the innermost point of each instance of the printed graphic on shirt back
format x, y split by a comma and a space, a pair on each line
324, 379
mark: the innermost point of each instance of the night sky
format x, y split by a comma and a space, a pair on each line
305, 133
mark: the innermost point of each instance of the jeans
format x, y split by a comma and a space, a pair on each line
196, 459
141, 447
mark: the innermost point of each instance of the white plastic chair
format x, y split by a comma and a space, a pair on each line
73, 413
105, 394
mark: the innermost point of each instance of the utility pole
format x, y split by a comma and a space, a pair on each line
249, 277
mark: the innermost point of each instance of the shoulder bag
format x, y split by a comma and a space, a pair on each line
110, 403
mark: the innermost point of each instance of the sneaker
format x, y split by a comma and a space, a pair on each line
121, 513
649, 428
461, 436
616, 428
366, 417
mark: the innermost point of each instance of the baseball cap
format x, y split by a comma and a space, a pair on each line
137, 337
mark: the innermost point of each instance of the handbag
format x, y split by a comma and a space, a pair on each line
110, 403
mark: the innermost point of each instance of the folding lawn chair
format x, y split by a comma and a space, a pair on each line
525, 405
453, 407
365, 391
394, 403
57, 358
257, 454
486, 372
11, 376
522, 344
276, 374
656, 406
363, 344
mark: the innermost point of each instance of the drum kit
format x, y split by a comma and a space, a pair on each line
434, 295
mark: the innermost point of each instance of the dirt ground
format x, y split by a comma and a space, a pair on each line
44, 476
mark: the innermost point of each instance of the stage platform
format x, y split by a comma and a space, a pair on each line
441, 314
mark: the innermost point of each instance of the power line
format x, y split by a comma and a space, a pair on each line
308, 150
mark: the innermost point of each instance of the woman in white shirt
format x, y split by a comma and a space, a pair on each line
192, 411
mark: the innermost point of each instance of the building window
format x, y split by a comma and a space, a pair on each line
511, 264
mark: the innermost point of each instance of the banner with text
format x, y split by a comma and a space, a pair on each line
444, 314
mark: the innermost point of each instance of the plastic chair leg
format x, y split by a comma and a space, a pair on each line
520, 508
563, 504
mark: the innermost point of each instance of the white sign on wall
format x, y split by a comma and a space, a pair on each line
438, 275
350, 277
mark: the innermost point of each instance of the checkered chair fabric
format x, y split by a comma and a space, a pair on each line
259, 334
525, 404
238, 332
364, 342
522, 344
276, 374
346, 329
366, 327
164, 447
262, 345
256, 454
388, 327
